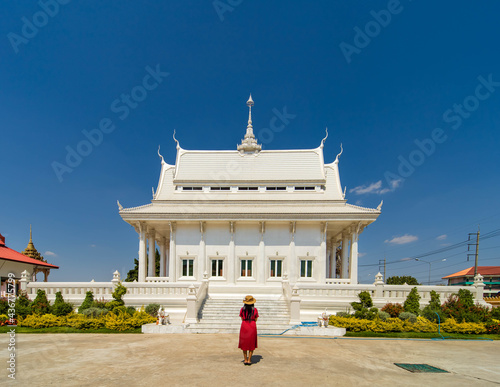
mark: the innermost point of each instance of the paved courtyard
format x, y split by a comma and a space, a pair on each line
214, 360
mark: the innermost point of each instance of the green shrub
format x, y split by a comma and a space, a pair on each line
95, 312
343, 314
495, 313
432, 311
364, 308
412, 304
393, 309
383, 315
152, 309
118, 293
61, 308
130, 310
461, 308
23, 305
4, 305
120, 309
492, 327
113, 304
411, 317
101, 303
87, 302
40, 304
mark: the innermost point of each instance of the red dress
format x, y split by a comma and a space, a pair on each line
248, 332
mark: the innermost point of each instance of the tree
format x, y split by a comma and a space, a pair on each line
412, 303
364, 308
40, 304
117, 294
87, 303
23, 305
397, 280
61, 308
133, 274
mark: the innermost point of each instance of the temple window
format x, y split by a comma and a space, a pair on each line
217, 267
187, 267
246, 267
306, 268
220, 188
276, 268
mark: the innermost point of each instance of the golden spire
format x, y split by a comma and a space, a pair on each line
31, 251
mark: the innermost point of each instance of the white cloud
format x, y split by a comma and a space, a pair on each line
442, 237
376, 188
92, 245
361, 255
402, 240
50, 254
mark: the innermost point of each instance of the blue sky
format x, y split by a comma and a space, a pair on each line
411, 90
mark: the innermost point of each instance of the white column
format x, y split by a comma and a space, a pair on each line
163, 256
353, 264
151, 256
202, 261
321, 276
230, 269
172, 255
292, 261
345, 249
261, 259
142, 255
329, 259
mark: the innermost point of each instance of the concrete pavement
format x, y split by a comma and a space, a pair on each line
215, 360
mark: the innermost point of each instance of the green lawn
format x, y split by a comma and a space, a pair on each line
419, 335
5, 329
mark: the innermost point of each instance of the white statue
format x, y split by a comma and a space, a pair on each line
323, 319
163, 318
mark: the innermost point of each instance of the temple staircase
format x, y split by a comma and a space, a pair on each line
221, 315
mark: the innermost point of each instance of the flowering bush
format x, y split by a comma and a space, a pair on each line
393, 309
451, 326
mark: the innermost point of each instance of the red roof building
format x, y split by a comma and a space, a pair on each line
13, 263
491, 278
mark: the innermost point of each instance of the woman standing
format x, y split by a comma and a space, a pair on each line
248, 330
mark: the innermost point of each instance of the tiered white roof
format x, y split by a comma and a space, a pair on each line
176, 198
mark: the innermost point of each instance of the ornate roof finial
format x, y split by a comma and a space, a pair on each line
249, 143
162, 161
341, 150
31, 237
177, 142
323, 141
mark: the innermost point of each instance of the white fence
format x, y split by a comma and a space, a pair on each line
304, 300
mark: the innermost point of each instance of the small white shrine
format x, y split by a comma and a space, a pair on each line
249, 218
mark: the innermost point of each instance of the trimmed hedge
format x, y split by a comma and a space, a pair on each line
421, 325
119, 322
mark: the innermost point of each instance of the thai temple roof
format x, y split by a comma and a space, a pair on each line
12, 255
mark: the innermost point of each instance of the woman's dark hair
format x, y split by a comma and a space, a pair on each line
247, 312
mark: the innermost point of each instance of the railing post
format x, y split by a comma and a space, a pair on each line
295, 306
379, 286
24, 280
191, 305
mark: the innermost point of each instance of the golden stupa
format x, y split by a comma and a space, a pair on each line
31, 251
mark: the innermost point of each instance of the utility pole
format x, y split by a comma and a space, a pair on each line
380, 261
477, 249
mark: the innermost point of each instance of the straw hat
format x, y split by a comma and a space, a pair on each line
249, 300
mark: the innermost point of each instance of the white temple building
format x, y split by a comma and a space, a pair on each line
246, 219
271, 223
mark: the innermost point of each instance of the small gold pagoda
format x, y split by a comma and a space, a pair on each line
31, 252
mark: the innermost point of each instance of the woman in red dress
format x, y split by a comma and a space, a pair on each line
248, 330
